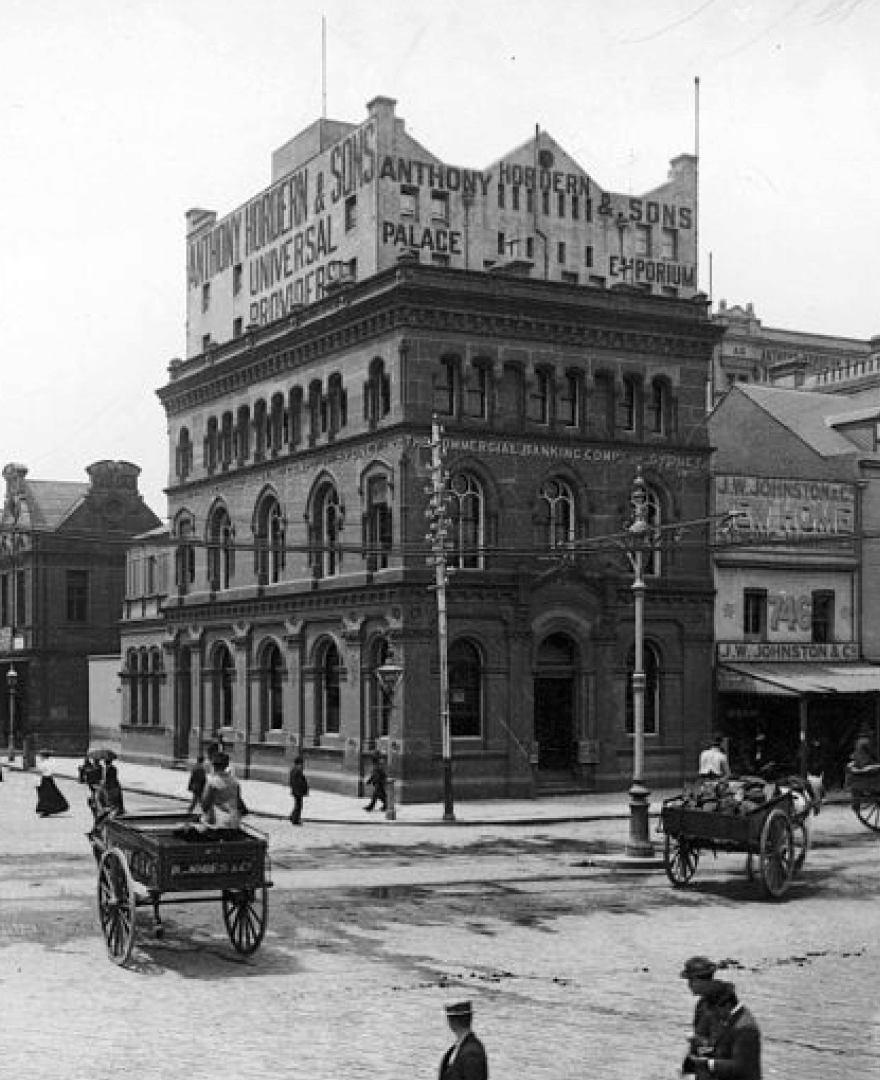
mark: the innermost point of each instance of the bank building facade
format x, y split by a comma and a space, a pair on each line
375, 310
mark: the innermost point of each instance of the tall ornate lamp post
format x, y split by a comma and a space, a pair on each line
389, 675
641, 540
12, 687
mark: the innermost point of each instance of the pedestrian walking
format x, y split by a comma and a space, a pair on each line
49, 798
713, 761
737, 1051
378, 780
466, 1058
111, 790
700, 974
299, 788
90, 772
198, 777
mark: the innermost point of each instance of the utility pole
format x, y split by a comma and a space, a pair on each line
438, 533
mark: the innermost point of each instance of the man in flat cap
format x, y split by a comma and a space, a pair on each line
466, 1058
737, 1051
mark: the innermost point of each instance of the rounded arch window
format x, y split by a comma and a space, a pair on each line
271, 688
465, 690
557, 512
467, 521
557, 651
329, 687
221, 549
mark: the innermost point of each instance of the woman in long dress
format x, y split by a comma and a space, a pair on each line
49, 798
112, 789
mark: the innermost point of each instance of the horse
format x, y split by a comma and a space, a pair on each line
807, 796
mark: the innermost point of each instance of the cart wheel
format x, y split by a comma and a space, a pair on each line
800, 833
867, 810
679, 859
116, 905
245, 912
777, 853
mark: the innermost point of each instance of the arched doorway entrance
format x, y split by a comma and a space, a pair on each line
554, 696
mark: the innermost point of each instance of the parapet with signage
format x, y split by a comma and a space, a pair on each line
348, 200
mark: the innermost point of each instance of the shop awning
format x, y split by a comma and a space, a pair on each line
793, 680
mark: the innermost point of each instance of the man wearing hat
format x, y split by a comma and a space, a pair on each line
737, 1051
466, 1058
699, 972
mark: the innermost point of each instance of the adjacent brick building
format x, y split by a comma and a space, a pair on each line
62, 572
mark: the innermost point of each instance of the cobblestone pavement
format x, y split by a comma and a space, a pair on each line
573, 969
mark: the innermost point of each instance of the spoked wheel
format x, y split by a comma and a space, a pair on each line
777, 853
680, 860
800, 833
867, 810
246, 912
116, 905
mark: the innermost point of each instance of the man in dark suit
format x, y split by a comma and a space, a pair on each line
737, 1052
466, 1058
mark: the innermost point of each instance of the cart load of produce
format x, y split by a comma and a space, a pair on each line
735, 795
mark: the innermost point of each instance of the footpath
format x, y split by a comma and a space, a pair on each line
273, 801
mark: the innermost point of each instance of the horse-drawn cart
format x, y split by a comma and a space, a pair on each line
864, 785
765, 833
143, 857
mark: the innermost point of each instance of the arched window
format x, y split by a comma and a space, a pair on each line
269, 540
223, 678
377, 523
212, 445
261, 430
380, 703
243, 435
185, 555
326, 529
226, 438
221, 550
465, 691
271, 683
329, 680
276, 424
651, 665
556, 513
184, 455
466, 522
338, 403
377, 393
294, 412
653, 563
317, 411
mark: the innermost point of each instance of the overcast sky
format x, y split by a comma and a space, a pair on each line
116, 116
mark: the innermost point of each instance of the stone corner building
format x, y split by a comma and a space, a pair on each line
370, 289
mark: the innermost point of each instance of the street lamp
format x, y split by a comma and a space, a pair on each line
389, 674
12, 686
641, 539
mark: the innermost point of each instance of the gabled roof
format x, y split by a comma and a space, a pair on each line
50, 502
806, 415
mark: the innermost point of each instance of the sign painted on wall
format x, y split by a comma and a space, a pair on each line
283, 244
775, 509
785, 652
652, 271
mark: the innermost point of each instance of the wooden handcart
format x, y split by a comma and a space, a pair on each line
765, 833
864, 785
142, 859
